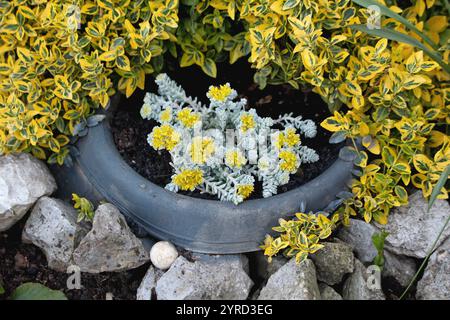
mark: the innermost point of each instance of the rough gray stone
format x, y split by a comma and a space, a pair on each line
356, 287
412, 229
148, 284
328, 293
23, 180
435, 283
332, 262
52, 226
207, 278
264, 268
110, 245
292, 282
401, 268
359, 236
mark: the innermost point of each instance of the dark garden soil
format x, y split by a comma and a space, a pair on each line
21, 263
130, 130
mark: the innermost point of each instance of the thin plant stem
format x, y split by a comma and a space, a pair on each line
354, 144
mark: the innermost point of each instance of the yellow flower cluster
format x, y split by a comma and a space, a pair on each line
245, 190
289, 138
289, 161
220, 93
146, 111
188, 179
164, 137
201, 149
166, 115
187, 117
247, 122
235, 159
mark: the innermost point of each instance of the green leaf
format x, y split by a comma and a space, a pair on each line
378, 240
72, 115
401, 193
123, 63
187, 59
36, 291
361, 159
439, 185
348, 153
210, 68
300, 257
338, 137
391, 14
53, 145
348, 14
26, 12
401, 37
289, 4
2, 290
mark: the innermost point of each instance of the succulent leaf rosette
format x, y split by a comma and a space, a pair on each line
223, 148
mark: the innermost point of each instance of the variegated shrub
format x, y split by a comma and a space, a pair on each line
59, 61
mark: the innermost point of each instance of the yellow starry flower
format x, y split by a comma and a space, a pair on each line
247, 122
201, 149
245, 190
220, 93
278, 140
234, 159
164, 137
146, 111
291, 138
166, 115
188, 179
263, 164
289, 161
187, 117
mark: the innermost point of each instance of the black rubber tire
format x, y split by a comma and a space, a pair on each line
206, 226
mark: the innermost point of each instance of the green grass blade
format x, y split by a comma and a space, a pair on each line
401, 37
439, 185
391, 14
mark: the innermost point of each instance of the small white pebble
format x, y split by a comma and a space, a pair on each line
163, 254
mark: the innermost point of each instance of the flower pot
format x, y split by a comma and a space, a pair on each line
99, 173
